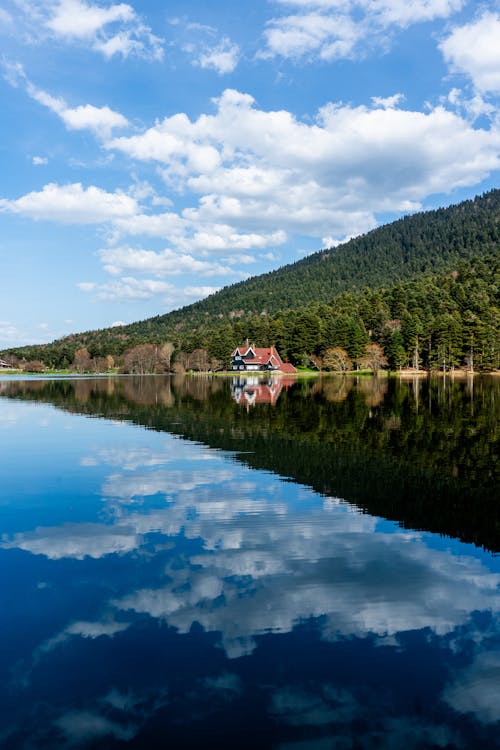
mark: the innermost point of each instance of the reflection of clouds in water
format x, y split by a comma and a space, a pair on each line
264, 565
23, 415
324, 564
130, 710
297, 707
227, 685
75, 540
107, 628
85, 726
476, 688
134, 458
138, 485
366, 717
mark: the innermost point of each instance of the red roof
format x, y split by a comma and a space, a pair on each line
287, 367
263, 356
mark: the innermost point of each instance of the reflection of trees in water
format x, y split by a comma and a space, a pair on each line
422, 452
336, 388
148, 391
83, 389
200, 388
374, 390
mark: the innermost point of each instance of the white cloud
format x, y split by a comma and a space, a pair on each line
117, 260
101, 120
130, 289
74, 18
329, 37
112, 30
473, 106
388, 102
72, 204
260, 176
166, 225
474, 50
331, 29
222, 58
192, 293
205, 47
127, 288
126, 43
40, 161
405, 12
170, 143
222, 237
269, 171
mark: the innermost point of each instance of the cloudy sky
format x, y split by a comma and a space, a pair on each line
153, 152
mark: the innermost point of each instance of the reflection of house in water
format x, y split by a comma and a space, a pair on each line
254, 390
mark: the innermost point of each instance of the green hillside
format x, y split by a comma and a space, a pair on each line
425, 243
426, 287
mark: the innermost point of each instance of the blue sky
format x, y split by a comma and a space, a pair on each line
153, 152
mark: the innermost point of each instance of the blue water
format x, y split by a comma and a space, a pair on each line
156, 592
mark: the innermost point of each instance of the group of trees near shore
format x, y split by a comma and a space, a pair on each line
422, 292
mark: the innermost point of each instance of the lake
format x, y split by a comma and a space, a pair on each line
233, 563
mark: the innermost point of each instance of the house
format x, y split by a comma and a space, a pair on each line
251, 358
5, 365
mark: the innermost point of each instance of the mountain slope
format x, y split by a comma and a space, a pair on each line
425, 243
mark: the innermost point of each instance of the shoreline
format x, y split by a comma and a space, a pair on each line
401, 374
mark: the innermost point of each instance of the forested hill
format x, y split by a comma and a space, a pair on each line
425, 288
422, 244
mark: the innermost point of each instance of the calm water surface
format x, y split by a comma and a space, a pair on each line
187, 563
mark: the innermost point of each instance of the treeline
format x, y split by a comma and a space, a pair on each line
436, 322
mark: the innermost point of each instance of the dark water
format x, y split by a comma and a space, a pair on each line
196, 562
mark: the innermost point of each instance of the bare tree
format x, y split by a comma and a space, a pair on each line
316, 361
141, 359
33, 365
337, 359
198, 360
165, 352
373, 358
181, 363
215, 365
82, 361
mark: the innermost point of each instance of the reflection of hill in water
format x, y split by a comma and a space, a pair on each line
421, 453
